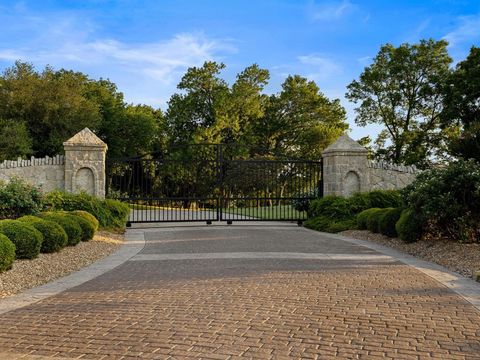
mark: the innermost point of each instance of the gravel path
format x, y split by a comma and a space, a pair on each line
461, 258
47, 267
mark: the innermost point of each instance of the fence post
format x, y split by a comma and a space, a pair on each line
85, 164
345, 168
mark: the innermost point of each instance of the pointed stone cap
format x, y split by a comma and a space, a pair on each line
345, 144
86, 137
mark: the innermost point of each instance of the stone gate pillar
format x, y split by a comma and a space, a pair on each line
85, 164
344, 167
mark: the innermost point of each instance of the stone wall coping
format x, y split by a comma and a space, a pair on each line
345, 144
384, 165
33, 161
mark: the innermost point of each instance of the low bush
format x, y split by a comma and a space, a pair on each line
388, 220
109, 213
409, 226
68, 223
326, 224
373, 219
26, 238
362, 218
17, 198
7, 253
54, 236
448, 200
89, 217
88, 229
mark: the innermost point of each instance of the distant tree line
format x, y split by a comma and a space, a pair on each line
429, 111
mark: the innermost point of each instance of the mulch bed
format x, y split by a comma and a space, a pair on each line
26, 274
461, 258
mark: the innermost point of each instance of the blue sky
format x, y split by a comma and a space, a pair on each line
146, 46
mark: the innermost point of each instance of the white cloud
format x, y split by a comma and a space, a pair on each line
468, 30
331, 10
319, 67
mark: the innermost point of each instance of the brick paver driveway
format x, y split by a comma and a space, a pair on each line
254, 292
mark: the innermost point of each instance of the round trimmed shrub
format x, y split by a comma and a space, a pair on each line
26, 238
388, 220
409, 226
86, 215
68, 223
363, 216
88, 230
7, 253
54, 237
373, 219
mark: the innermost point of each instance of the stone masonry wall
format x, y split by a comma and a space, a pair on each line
81, 169
47, 173
347, 170
386, 176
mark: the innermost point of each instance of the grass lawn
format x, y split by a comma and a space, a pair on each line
268, 212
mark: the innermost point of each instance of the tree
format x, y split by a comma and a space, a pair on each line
401, 90
15, 140
191, 115
300, 121
462, 106
51, 104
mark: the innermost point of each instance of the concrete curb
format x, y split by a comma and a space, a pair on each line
134, 243
466, 288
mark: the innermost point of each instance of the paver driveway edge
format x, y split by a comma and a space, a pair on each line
134, 243
466, 288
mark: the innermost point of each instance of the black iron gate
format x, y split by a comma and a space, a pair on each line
202, 183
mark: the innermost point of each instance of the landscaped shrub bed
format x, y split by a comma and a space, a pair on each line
109, 213
335, 213
409, 226
388, 220
373, 219
26, 238
7, 253
54, 237
18, 198
68, 223
447, 201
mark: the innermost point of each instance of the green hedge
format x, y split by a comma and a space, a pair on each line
409, 226
7, 253
88, 229
26, 238
362, 218
327, 224
17, 198
109, 213
68, 223
447, 200
54, 236
344, 208
387, 222
373, 219
89, 217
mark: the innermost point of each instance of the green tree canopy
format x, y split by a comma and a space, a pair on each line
402, 91
462, 106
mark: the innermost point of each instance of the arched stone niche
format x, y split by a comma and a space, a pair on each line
351, 184
85, 181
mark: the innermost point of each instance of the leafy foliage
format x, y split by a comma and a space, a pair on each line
373, 219
448, 200
86, 215
110, 213
68, 223
17, 198
88, 229
26, 238
363, 216
54, 237
402, 90
409, 226
7, 253
388, 220
462, 106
